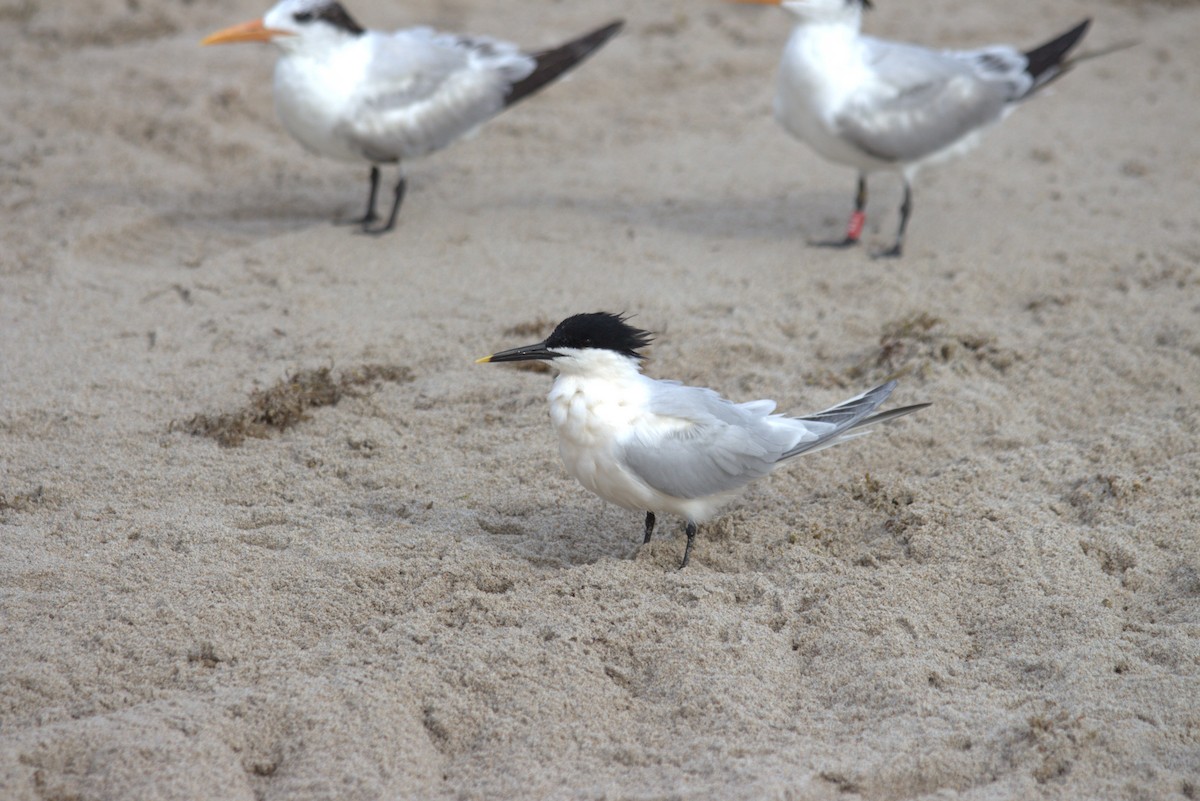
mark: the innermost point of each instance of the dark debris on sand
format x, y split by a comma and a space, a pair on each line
287, 402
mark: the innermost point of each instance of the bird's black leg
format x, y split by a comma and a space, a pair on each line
649, 526
687, 551
905, 210
857, 219
396, 202
370, 216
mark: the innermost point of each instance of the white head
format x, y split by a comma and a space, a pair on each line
294, 24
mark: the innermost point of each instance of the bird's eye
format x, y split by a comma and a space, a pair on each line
303, 16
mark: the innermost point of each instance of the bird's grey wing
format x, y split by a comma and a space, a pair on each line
674, 399
921, 102
424, 89
707, 446
1002, 64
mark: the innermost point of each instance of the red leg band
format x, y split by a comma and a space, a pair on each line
855, 227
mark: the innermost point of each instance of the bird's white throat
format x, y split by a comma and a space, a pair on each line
597, 394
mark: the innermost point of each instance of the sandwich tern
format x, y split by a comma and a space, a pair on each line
878, 105
657, 446
384, 98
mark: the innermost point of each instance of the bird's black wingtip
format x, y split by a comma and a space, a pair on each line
611, 29
552, 63
583, 47
1045, 61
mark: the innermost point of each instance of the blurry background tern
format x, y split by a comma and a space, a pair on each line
662, 447
383, 98
877, 105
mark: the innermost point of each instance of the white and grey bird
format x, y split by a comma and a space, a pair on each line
877, 105
385, 98
657, 446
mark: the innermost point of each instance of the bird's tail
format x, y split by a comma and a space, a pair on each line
553, 63
849, 416
1048, 61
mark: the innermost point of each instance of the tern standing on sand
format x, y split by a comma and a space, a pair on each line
661, 447
877, 105
384, 98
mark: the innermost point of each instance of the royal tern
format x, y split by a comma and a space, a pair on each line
878, 105
658, 446
384, 98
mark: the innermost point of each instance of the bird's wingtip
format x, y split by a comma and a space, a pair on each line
606, 32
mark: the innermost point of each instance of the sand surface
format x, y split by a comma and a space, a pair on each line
404, 595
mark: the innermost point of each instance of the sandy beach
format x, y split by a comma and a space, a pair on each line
268, 532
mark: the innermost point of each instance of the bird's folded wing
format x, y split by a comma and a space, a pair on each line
919, 103
706, 445
673, 399
424, 89
699, 460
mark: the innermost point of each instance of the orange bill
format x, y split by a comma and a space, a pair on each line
252, 31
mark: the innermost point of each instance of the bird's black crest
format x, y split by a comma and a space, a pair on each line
335, 15
602, 330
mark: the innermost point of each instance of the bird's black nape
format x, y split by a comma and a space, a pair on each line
602, 330
334, 14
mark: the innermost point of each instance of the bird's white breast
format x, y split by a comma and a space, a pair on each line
823, 68
595, 414
316, 95
591, 417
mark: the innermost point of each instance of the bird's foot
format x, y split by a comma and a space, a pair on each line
839, 244
382, 229
393, 216
854, 228
894, 252
361, 222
